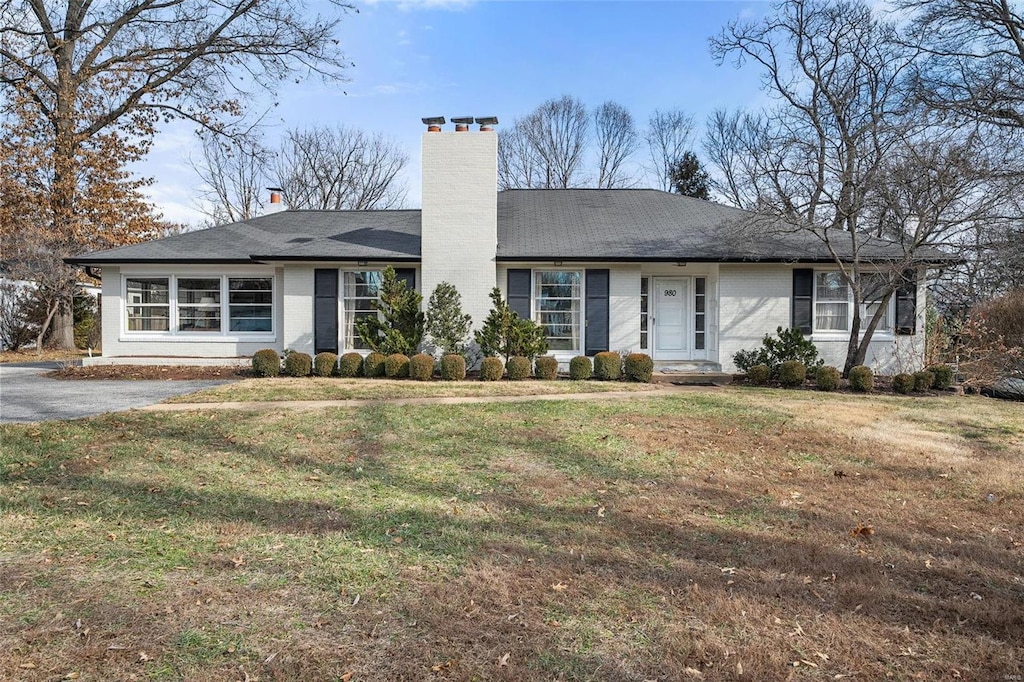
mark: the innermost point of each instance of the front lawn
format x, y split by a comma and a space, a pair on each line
737, 534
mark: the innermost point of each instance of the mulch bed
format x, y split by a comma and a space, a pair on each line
151, 372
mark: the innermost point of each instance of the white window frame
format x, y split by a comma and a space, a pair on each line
343, 310
174, 334
581, 311
885, 332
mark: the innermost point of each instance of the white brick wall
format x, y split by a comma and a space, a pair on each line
297, 308
460, 216
624, 309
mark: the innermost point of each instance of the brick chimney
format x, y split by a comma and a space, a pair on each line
275, 205
460, 212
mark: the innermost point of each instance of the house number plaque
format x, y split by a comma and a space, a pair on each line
670, 292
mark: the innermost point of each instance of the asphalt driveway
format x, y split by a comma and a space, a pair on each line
26, 396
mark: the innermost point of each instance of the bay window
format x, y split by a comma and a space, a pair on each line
558, 308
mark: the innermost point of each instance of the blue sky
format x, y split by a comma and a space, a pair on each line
447, 57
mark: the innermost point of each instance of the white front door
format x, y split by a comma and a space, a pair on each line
671, 331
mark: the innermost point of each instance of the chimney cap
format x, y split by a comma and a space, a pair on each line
433, 121
462, 119
275, 189
487, 120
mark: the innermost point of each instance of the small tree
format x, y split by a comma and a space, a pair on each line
688, 177
398, 326
506, 334
447, 326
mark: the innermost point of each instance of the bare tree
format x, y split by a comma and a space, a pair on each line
89, 67
616, 137
975, 64
668, 138
340, 168
547, 148
233, 172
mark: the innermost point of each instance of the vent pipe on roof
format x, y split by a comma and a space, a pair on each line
487, 123
433, 123
462, 123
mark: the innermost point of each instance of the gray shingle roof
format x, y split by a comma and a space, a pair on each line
574, 224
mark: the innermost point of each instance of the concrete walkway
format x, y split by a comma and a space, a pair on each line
450, 400
26, 396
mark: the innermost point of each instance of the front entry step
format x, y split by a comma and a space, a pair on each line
690, 372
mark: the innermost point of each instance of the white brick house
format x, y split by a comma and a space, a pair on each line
625, 270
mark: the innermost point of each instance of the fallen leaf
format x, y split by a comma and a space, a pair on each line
600, 512
503, 661
397, 540
862, 531
559, 587
27, 666
143, 656
347, 676
356, 600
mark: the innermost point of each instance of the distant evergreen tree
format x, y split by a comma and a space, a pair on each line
689, 178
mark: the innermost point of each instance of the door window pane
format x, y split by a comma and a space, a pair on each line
360, 291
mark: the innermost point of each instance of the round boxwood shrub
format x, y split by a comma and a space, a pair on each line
580, 368
373, 365
518, 368
827, 378
546, 368
758, 375
266, 363
491, 369
862, 379
903, 383
638, 367
298, 364
923, 380
396, 366
351, 365
453, 367
792, 373
421, 367
943, 377
324, 364
607, 366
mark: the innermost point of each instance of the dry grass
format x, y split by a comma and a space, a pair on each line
44, 356
701, 536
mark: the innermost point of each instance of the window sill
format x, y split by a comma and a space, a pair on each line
845, 336
196, 338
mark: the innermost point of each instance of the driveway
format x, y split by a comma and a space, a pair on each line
25, 396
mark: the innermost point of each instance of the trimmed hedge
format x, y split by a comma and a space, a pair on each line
324, 364
373, 365
758, 375
421, 367
266, 363
518, 368
827, 378
491, 369
607, 366
298, 364
580, 368
351, 365
396, 366
792, 373
903, 383
453, 367
545, 368
923, 380
638, 367
862, 379
943, 377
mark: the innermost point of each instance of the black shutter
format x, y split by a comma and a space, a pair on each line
325, 311
407, 275
597, 312
906, 305
519, 292
802, 317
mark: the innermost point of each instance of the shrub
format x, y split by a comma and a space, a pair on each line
792, 373
790, 345
398, 328
943, 377
396, 366
607, 366
827, 378
373, 365
546, 368
453, 367
506, 334
266, 363
923, 380
491, 369
421, 367
758, 374
298, 364
351, 365
862, 379
446, 324
638, 367
580, 368
518, 368
324, 364
903, 383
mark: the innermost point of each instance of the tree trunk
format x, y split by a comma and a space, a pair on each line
62, 336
